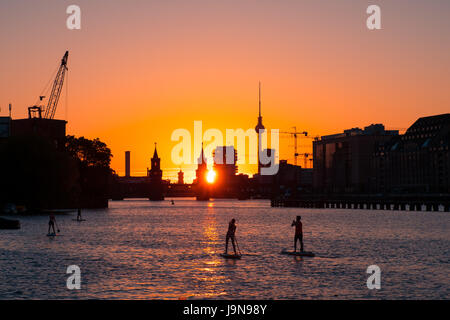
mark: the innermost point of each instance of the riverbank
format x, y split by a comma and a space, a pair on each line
410, 202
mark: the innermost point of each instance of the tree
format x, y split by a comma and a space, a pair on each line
90, 153
94, 158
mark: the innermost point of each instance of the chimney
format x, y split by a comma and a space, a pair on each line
127, 164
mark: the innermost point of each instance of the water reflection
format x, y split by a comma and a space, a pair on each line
208, 274
210, 232
139, 250
230, 262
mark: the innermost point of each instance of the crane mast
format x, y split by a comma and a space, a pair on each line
294, 134
50, 110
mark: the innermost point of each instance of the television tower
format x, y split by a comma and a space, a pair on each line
259, 130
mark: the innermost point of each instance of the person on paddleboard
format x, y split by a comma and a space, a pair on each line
51, 224
298, 233
79, 215
230, 235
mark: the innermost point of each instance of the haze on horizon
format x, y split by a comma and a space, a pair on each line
140, 69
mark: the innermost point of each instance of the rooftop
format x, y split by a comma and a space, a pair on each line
373, 129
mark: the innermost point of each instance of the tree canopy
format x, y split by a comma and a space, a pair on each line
90, 153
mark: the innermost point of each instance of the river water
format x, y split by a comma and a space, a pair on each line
139, 249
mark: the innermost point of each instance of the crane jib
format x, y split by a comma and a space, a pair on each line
50, 110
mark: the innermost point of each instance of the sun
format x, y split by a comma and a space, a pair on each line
211, 176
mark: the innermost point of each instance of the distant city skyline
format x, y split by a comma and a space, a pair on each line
140, 69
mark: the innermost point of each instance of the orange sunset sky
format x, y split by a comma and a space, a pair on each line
138, 70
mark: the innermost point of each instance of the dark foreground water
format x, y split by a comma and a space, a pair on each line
155, 250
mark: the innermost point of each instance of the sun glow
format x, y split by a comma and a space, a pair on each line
211, 176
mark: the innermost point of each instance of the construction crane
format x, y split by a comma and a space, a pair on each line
50, 110
305, 157
294, 134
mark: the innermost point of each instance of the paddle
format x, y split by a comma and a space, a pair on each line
237, 244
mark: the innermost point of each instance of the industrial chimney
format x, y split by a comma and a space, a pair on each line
127, 164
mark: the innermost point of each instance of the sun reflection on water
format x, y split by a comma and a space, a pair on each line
136, 250
207, 274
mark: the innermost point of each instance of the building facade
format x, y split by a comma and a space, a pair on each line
417, 161
225, 167
51, 129
343, 162
5, 127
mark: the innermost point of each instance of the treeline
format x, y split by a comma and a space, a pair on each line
37, 174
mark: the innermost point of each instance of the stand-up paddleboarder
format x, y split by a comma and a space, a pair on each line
51, 224
230, 235
298, 233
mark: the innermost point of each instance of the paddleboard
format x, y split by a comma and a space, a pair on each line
230, 256
79, 220
51, 234
300, 254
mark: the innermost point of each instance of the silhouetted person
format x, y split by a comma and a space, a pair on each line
79, 215
51, 224
230, 235
298, 233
